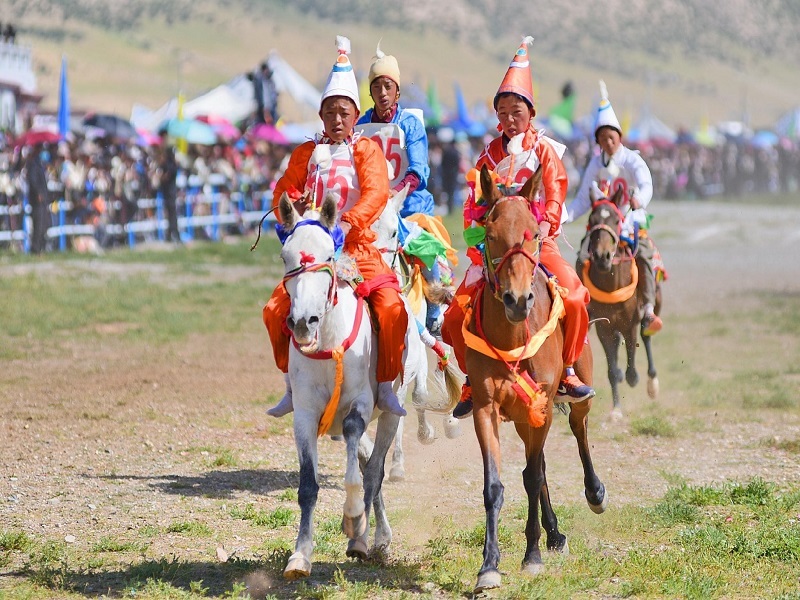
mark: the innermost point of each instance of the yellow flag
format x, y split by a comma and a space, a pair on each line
363, 96
182, 145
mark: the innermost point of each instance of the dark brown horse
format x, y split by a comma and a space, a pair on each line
616, 307
511, 315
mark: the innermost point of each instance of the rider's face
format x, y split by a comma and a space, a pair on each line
609, 140
384, 93
514, 114
339, 115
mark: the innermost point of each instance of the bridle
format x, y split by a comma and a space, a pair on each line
494, 265
307, 265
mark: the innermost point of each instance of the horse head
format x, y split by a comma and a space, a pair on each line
511, 244
309, 270
605, 223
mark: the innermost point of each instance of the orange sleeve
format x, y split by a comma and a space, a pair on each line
373, 178
555, 183
295, 174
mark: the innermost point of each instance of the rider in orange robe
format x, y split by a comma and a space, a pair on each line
515, 111
368, 194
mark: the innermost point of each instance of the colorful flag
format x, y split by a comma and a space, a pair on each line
63, 101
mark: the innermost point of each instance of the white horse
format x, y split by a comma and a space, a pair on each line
432, 388
332, 362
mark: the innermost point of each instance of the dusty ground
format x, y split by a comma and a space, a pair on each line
104, 439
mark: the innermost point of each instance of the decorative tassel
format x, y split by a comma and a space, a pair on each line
326, 420
529, 392
527, 40
379, 53
343, 44
603, 90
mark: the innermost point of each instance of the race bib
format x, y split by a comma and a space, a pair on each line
520, 167
392, 141
331, 169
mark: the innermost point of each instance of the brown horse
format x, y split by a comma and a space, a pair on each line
616, 307
511, 312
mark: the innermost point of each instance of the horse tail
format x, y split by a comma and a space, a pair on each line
439, 293
453, 379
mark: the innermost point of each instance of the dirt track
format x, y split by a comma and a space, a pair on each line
104, 440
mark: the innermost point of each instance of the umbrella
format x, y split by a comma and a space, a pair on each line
112, 125
268, 133
147, 138
37, 136
191, 130
222, 127
764, 139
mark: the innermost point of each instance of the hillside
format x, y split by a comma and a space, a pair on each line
689, 61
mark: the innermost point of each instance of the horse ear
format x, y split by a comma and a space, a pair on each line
400, 197
531, 187
619, 195
289, 215
489, 189
328, 211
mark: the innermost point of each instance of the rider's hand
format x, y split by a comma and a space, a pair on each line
634, 202
544, 229
345, 227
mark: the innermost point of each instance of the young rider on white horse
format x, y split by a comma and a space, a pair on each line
515, 111
354, 168
616, 162
405, 144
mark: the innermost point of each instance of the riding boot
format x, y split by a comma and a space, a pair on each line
651, 322
464, 407
388, 401
285, 406
573, 387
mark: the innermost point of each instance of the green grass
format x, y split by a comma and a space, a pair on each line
280, 517
191, 528
111, 544
652, 426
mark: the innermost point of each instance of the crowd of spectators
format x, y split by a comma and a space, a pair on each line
104, 182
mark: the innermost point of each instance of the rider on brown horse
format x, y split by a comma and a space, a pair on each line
515, 111
614, 163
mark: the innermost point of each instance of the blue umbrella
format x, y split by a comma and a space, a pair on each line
764, 139
191, 130
63, 100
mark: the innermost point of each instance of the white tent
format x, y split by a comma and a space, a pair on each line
235, 100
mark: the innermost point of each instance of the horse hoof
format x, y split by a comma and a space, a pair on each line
357, 549
452, 428
354, 527
426, 435
297, 567
397, 474
652, 387
616, 415
598, 508
532, 569
488, 580
561, 546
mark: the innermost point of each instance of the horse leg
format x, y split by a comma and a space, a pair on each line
373, 480
533, 478
652, 376
556, 541
594, 490
354, 521
305, 434
610, 342
631, 376
398, 470
486, 428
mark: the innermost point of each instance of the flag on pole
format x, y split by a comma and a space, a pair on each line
63, 101
435, 117
182, 145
